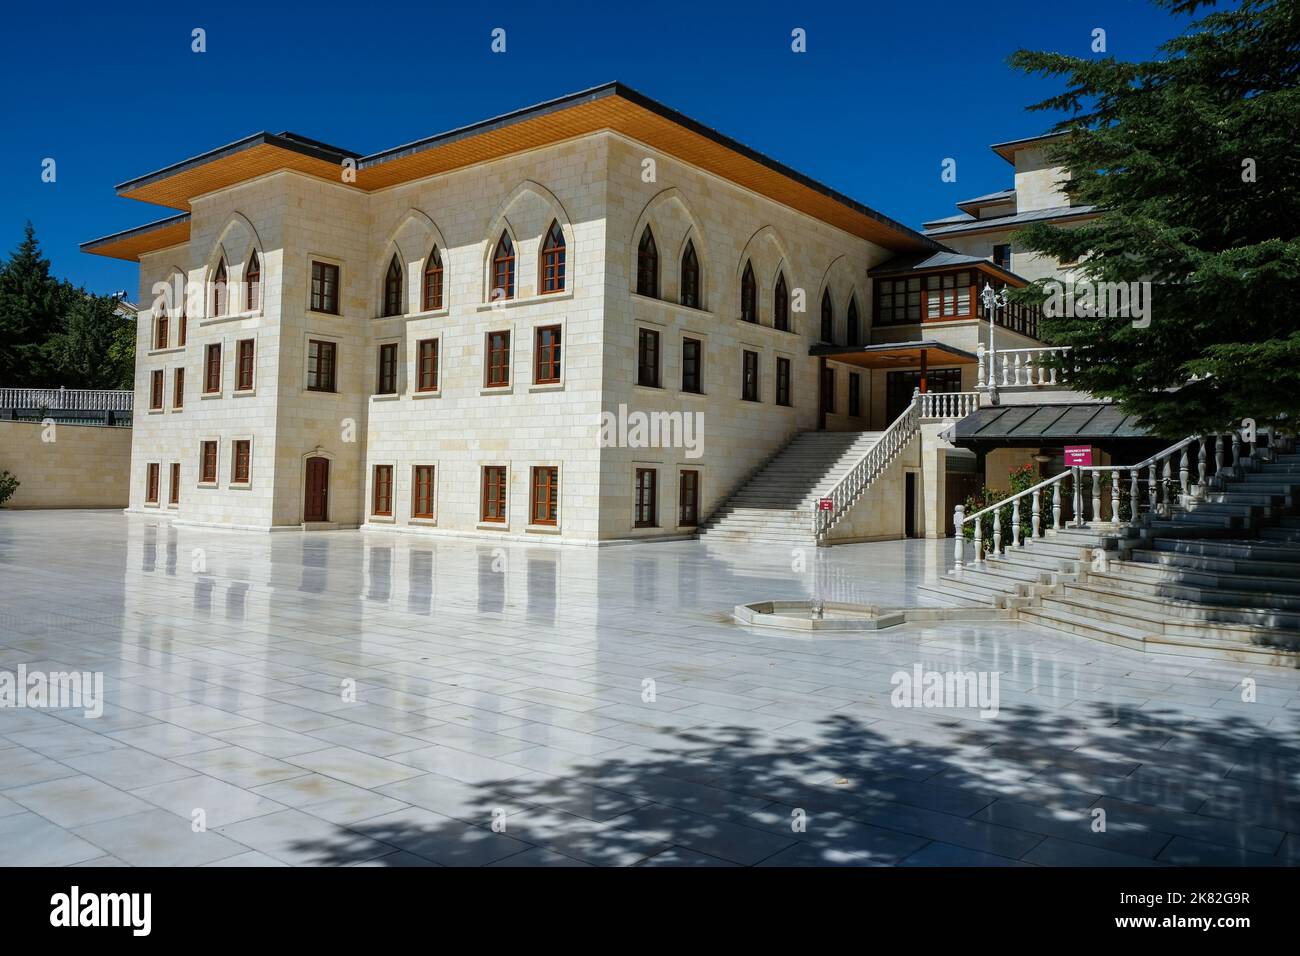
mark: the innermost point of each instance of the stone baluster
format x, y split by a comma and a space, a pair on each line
1166, 496
997, 531
1202, 464
1037, 516
1184, 473
979, 541
1056, 506
1218, 460
1016, 370
979, 368
1236, 452
1114, 496
1006, 368
1015, 523
1096, 497
1076, 480
958, 516
1133, 492
1151, 488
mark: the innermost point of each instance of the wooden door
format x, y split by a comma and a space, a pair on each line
316, 504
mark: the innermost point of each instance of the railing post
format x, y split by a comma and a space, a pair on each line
1166, 496
1037, 518
1015, 522
1202, 463
958, 517
979, 371
1096, 497
997, 531
1236, 452
1133, 492
979, 542
1056, 506
1184, 472
1114, 496
1076, 476
1151, 488
1218, 459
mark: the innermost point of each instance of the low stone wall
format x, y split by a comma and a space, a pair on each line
85, 466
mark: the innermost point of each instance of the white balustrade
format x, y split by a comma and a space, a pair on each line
68, 399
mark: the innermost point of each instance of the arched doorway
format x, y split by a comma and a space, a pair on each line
315, 506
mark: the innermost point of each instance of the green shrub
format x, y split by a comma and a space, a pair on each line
8, 485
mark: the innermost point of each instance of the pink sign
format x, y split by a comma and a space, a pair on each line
1078, 455
825, 504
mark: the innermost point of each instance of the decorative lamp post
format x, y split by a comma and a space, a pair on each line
992, 302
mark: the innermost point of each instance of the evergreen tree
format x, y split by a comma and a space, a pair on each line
31, 311
1192, 159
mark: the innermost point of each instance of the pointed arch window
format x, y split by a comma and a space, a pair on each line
828, 318
854, 332
393, 288
220, 300
781, 305
647, 265
432, 281
690, 276
503, 269
553, 259
252, 282
748, 295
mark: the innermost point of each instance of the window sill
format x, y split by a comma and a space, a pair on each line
497, 390
234, 317
753, 401
431, 393
528, 300
332, 315
687, 394
177, 408
382, 519
154, 411
426, 522
151, 504
208, 484
546, 387
410, 316
653, 389
169, 350
493, 526
207, 395
670, 304
386, 397
239, 485
542, 528
243, 393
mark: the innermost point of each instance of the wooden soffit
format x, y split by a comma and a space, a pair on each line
903, 355
133, 243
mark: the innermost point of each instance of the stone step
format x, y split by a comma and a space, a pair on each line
1179, 602
1240, 549
1064, 618
1021, 558
1260, 584
994, 579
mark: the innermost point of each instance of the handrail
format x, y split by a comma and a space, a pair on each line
68, 399
847, 490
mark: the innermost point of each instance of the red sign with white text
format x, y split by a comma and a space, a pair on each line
825, 504
1078, 455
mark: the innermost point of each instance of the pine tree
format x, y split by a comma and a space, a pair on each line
1193, 159
31, 312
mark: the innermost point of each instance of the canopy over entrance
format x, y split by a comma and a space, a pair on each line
895, 355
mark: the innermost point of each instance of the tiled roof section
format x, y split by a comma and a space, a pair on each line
1010, 222
1009, 149
1050, 424
920, 262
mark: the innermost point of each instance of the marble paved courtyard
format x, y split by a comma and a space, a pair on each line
393, 700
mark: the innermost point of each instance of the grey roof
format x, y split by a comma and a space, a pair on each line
989, 198
919, 262
134, 231
1049, 424
1016, 219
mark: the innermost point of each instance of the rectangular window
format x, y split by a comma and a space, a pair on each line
548, 355
493, 507
208, 462
212, 369
178, 388
855, 394
422, 497
160, 331
647, 358
688, 499
324, 288
321, 358
427, 372
646, 513
156, 389
174, 492
749, 381
692, 355
241, 454
948, 296
244, 366
1002, 255
386, 377
898, 301
544, 506
151, 485
828, 391
498, 359
383, 490
180, 329
783, 381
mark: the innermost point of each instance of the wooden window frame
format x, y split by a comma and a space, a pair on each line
692, 385
647, 264
423, 486
152, 480
691, 518
381, 491
241, 461
326, 282
322, 346
827, 329
245, 365
160, 330
178, 387
488, 482
209, 450
503, 269
690, 277
213, 371
174, 485
749, 382
645, 513
181, 324
220, 290
253, 283
781, 305
544, 495
547, 366
784, 385
431, 296
157, 389
496, 359
426, 378
386, 368
748, 295
554, 260
392, 304
651, 369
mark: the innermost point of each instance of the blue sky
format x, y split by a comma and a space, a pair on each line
885, 92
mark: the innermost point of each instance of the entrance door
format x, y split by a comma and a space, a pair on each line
909, 516
316, 503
